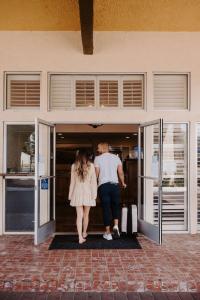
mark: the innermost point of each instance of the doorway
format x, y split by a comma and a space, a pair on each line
122, 140
30, 170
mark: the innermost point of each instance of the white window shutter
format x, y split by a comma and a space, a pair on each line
61, 87
104, 91
171, 91
22, 90
85, 92
133, 91
108, 92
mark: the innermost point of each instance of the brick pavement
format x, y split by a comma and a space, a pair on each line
174, 266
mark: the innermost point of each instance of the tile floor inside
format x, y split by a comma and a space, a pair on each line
174, 266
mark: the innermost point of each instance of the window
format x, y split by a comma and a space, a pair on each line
85, 93
171, 91
22, 90
175, 179
19, 205
108, 92
133, 91
97, 91
21, 157
60, 92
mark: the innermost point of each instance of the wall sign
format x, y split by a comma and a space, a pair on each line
44, 185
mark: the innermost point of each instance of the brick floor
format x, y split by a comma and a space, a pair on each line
174, 266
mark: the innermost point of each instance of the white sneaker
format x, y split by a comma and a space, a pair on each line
116, 234
107, 236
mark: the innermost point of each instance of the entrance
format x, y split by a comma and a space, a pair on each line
36, 188
140, 149
122, 139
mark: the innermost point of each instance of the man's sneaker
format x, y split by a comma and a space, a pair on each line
107, 236
116, 234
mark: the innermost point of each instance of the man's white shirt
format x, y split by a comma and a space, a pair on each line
107, 164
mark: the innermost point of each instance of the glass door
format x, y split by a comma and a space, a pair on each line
150, 161
44, 180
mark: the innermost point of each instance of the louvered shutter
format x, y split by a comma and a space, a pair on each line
61, 88
175, 189
133, 91
85, 92
171, 91
108, 92
198, 176
23, 91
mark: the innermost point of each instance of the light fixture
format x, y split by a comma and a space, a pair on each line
127, 137
95, 125
59, 133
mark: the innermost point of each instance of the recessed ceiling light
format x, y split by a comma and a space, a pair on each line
134, 133
127, 137
59, 133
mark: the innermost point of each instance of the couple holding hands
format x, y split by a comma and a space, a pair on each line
106, 171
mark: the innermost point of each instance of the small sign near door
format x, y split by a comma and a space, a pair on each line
44, 185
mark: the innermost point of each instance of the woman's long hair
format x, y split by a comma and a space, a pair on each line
82, 164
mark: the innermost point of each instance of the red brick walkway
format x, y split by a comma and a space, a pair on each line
175, 266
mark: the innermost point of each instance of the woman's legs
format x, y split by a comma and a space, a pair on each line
86, 210
79, 223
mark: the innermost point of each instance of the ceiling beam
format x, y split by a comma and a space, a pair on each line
86, 21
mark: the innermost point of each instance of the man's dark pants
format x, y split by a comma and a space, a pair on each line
109, 194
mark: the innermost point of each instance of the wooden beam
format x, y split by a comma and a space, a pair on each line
86, 21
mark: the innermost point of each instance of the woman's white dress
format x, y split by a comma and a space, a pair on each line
83, 193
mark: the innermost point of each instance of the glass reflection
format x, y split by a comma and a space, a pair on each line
20, 149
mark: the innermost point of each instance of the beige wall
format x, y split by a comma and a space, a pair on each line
114, 52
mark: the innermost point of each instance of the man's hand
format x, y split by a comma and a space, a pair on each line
124, 185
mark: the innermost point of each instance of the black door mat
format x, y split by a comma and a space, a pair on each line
94, 242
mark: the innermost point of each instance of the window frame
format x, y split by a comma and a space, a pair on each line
14, 176
188, 214
97, 75
49, 108
188, 74
5, 93
85, 77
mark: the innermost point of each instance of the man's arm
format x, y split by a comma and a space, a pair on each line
121, 175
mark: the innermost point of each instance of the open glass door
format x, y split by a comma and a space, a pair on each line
44, 180
150, 161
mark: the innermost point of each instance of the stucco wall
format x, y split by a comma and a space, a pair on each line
114, 52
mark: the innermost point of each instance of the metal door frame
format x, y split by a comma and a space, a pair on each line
47, 229
147, 228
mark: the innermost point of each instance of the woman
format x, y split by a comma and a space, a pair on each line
82, 191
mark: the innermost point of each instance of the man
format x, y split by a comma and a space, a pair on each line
108, 167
